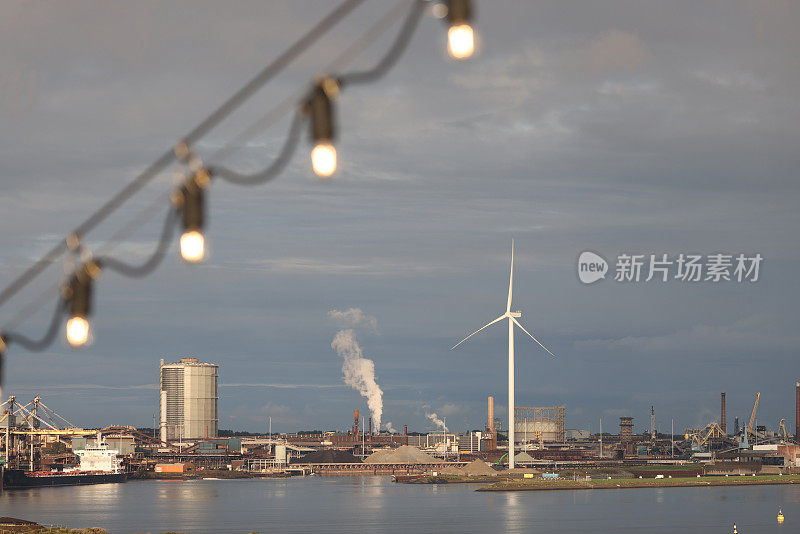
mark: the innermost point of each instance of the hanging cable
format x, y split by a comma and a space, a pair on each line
318, 104
295, 100
38, 345
25, 313
348, 55
275, 168
212, 120
393, 54
111, 243
153, 261
190, 198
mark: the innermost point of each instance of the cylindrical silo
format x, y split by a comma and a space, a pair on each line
190, 399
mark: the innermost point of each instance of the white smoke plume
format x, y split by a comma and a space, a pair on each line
435, 420
359, 372
354, 317
390, 428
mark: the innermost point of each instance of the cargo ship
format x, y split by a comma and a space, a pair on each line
99, 465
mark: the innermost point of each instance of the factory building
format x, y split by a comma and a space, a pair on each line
188, 400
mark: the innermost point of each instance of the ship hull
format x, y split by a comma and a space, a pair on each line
19, 478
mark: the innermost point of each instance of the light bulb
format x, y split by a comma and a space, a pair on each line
460, 41
323, 159
192, 246
77, 331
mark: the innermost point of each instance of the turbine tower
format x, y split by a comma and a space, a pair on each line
512, 320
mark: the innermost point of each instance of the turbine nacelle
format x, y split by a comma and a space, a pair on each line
516, 314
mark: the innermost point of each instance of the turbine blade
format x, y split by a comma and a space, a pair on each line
533, 338
478, 330
510, 278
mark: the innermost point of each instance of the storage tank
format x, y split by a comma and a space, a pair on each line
537, 431
189, 399
280, 454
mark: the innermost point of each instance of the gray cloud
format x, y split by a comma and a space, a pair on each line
604, 125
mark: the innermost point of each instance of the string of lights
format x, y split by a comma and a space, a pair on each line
212, 120
317, 106
392, 55
293, 101
188, 200
340, 62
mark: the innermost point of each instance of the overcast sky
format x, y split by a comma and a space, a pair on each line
618, 127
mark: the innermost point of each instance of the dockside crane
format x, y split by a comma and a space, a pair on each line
783, 434
700, 438
750, 428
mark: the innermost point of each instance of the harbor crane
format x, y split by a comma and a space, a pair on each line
700, 438
750, 428
783, 434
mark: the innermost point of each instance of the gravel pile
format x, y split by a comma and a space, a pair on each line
474, 468
451, 470
401, 455
478, 468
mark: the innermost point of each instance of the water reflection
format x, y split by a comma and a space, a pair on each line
375, 504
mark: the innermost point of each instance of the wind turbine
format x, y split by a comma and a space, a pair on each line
512, 320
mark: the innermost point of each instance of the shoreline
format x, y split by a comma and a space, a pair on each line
702, 482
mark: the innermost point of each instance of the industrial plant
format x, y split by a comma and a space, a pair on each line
41, 447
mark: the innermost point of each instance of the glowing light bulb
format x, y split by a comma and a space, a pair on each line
77, 331
323, 159
192, 246
460, 41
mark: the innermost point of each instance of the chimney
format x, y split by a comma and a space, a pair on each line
797, 412
370, 426
723, 421
355, 422
490, 414
652, 423
405, 430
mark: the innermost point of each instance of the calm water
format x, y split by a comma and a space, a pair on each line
375, 504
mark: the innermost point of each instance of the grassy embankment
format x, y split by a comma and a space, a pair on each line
540, 484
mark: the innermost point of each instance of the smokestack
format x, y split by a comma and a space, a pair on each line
797, 412
405, 430
652, 422
370, 427
490, 414
723, 420
355, 422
